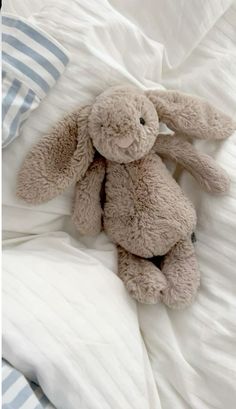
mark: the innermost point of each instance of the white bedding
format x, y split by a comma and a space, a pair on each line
187, 359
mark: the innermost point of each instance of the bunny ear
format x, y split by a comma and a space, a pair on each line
191, 115
59, 159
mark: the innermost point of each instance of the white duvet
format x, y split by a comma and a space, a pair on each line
68, 322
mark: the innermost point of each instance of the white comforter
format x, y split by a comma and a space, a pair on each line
68, 322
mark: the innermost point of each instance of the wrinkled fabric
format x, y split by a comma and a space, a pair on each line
183, 359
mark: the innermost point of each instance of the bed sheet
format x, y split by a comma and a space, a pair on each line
192, 353
70, 326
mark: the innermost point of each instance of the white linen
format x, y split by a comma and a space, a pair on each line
70, 326
192, 48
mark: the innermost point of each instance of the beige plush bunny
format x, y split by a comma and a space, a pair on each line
115, 143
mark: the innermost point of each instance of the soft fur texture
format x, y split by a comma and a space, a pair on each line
87, 211
193, 116
145, 212
58, 160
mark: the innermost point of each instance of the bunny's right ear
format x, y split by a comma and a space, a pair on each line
58, 160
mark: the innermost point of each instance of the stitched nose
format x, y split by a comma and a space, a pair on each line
123, 129
124, 141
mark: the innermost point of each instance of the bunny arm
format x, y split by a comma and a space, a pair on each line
202, 167
87, 211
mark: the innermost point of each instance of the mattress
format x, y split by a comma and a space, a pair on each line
67, 319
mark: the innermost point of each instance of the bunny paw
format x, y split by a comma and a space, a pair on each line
148, 287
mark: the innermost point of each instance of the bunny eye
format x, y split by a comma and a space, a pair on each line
142, 121
101, 125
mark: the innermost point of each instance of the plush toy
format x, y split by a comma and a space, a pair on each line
114, 145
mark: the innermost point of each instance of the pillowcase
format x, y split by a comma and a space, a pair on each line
32, 62
18, 392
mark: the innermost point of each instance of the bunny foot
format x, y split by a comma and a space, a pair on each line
143, 280
181, 271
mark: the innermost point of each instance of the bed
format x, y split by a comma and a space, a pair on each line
68, 324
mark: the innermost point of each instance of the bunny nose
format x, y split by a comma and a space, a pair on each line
125, 141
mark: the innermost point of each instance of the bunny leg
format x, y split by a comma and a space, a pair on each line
143, 280
181, 270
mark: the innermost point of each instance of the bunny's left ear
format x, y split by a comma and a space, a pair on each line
191, 115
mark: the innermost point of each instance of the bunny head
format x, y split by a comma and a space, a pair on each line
122, 125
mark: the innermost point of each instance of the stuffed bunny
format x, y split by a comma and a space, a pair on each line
115, 144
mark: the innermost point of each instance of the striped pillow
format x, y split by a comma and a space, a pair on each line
19, 393
32, 62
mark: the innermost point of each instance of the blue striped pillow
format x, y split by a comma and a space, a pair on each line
19, 393
32, 62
